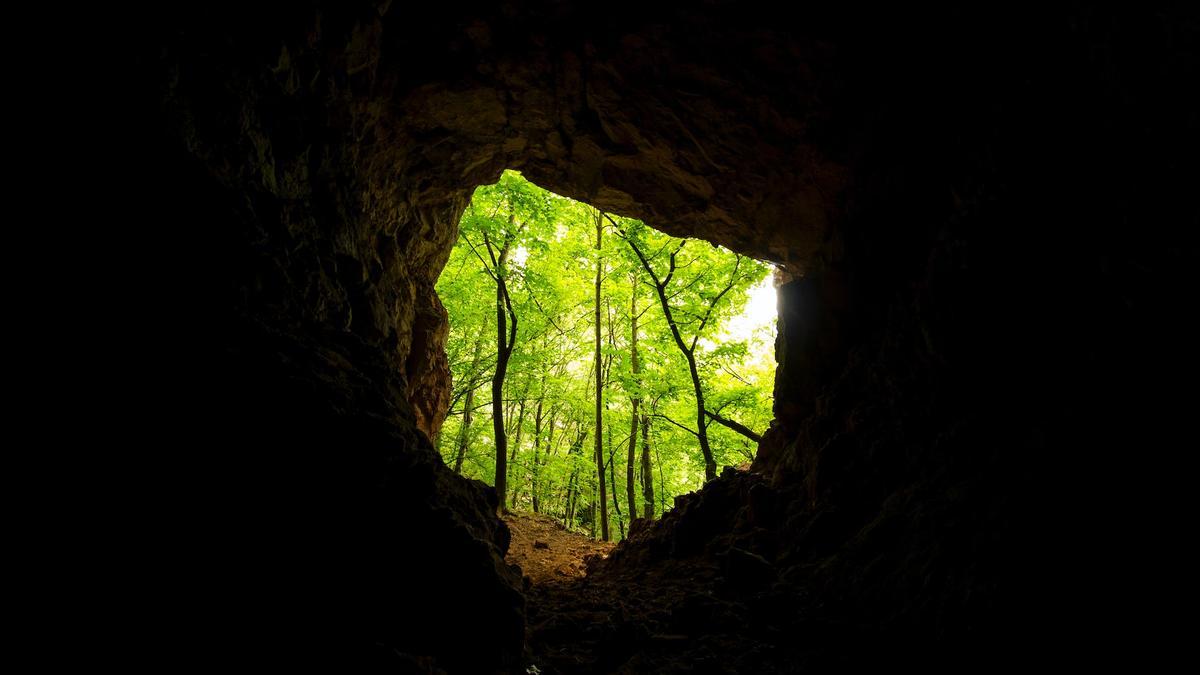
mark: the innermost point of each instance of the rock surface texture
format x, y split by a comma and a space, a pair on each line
978, 215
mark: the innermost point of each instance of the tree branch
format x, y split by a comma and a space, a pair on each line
661, 416
481, 260
537, 303
736, 426
712, 305
739, 377
671, 270
488, 242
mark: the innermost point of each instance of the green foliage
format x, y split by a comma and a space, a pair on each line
550, 276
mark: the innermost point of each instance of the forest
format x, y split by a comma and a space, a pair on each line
600, 367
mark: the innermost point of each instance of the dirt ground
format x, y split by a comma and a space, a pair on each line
546, 552
603, 623
663, 606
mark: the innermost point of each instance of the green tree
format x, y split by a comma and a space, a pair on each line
579, 339
698, 299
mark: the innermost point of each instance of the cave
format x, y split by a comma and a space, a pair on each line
983, 223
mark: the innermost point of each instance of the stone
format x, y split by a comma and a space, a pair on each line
746, 570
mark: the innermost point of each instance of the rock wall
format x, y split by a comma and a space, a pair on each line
960, 317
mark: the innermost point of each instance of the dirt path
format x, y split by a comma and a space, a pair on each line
546, 552
666, 604
602, 623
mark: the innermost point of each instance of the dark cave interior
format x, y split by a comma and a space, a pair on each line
986, 218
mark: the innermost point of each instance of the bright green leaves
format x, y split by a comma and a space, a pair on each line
550, 275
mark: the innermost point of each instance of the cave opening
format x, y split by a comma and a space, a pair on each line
551, 265
979, 325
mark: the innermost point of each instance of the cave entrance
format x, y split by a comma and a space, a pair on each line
540, 290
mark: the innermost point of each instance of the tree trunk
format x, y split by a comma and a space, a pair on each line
545, 485
600, 386
468, 405
464, 433
573, 484
710, 465
647, 474
504, 345
517, 430
516, 445
631, 461
612, 474
569, 509
537, 439
660, 285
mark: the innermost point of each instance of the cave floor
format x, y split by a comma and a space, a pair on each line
672, 617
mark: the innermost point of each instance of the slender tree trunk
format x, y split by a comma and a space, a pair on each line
592, 506
545, 485
647, 474
572, 500
550, 444
612, 474
660, 285
469, 403
710, 465
573, 484
600, 385
516, 447
498, 401
569, 510
509, 408
504, 345
537, 439
464, 434
662, 482
631, 460
517, 430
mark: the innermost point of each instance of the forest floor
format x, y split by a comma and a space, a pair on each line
641, 622
660, 603
546, 551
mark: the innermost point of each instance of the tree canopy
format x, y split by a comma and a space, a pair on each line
685, 371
